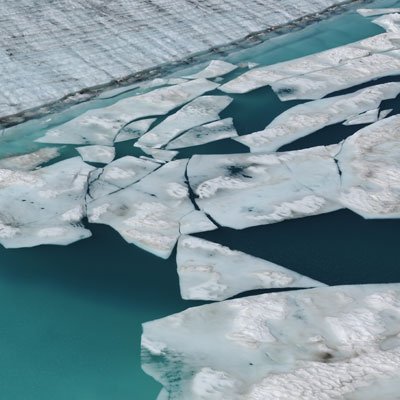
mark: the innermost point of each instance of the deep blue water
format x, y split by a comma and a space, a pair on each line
70, 317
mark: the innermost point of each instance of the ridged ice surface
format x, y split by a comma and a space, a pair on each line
319, 344
52, 49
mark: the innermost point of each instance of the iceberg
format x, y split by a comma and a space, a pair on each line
101, 126
210, 271
97, 153
323, 343
309, 117
44, 206
222, 129
200, 111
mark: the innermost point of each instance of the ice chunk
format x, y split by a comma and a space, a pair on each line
306, 118
101, 126
148, 212
134, 130
196, 221
242, 190
207, 133
159, 154
370, 165
371, 12
385, 113
44, 206
323, 343
210, 271
367, 117
316, 75
200, 111
29, 161
119, 174
215, 68
391, 22
97, 153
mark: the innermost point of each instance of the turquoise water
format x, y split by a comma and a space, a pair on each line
70, 317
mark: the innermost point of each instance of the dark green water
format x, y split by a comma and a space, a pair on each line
70, 317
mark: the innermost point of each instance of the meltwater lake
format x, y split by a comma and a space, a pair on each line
70, 316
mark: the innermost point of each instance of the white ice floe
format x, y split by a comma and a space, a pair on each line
196, 221
203, 134
372, 12
390, 22
326, 343
134, 130
316, 75
200, 111
159, 154
242, 190
309, 117
210, 271
29, 161
101, 126
148, 212
118, 175
44, 206
97, 153
214, 69
370, 165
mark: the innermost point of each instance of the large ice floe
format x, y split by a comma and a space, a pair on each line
326, 343
358, 107
43, 206
316, 75
102, 126
52, 49
210, 271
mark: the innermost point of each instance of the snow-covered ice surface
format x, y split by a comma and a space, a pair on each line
316, 75
326, 343
214, 69
309, 117
134, 130
371, 12
209, 271
43, 206
390, 22
97, 153
89, 44
29, 161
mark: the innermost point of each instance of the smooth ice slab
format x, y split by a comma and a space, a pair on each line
134, 130
118, 175
44, 206
243, 190
148, 213
29, 161
210, 271
97, 153
309, 117
159, 154
325, 343
196, 221
316, 75
367, 117
101, 126
214, 69
203, 134
200, 111
370, 165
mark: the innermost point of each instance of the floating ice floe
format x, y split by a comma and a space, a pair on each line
97, 153
29, 161
203, 134
196, 221
316, 75
243, 190
118, 175
159, 154
214, 69
306, 118
44, 206
210, 271
370, 165
134, 130
101, 126
148, 213
200, 111
390, 22
323, 343
371, 12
